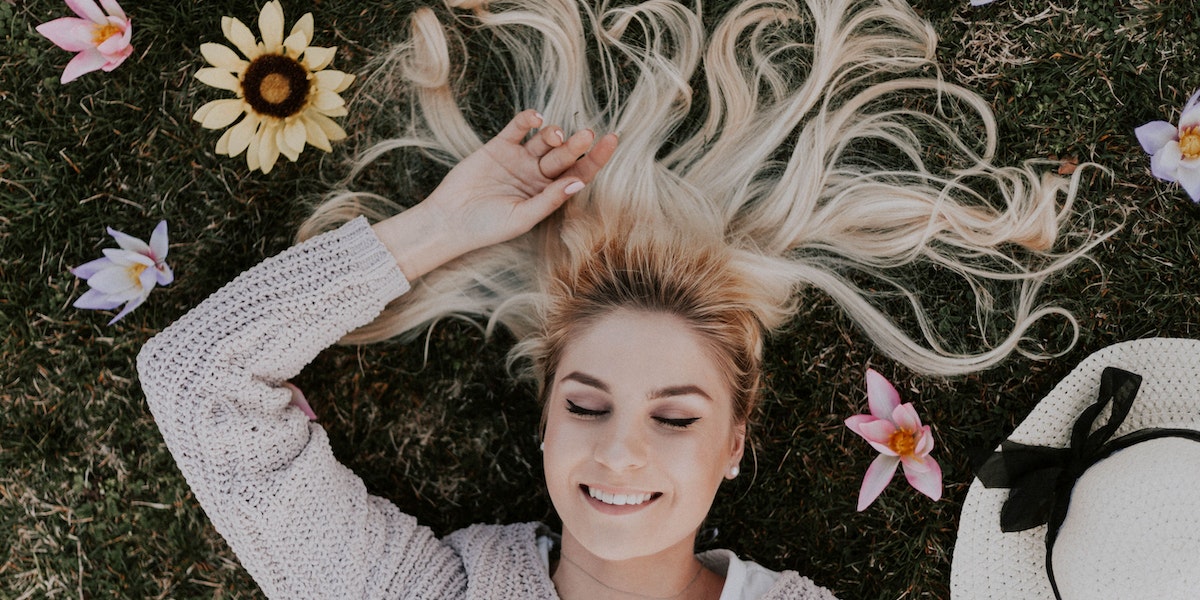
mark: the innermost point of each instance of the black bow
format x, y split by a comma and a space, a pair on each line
1041, 478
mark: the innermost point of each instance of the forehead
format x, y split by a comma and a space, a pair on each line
635, 352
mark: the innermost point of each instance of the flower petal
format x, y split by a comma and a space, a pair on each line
855, 422
1166, 161
222, 113
115, 282
905, 417
92, 267
879, 434
85, 62
300, 402
317, 58
219, 78
331, 80
1154, 135
295, 44
111, 7
916, 464
305, 27
927, 482
252, 151
136, 302
325, 101
332, 130
291, 139
241, 36
879, 474
270, 24
881, 395
87, 9
158, 242
222, 57
164, 275
268, 150
128, 242
924, 441
68, 33
314, 135
239, 135
1189, 179
97, 300
124, 258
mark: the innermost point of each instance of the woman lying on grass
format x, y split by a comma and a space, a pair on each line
639, 307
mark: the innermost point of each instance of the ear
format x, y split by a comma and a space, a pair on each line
738, 445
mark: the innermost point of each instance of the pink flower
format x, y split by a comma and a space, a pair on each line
1175, 152
99, 37
894, 430
125, 275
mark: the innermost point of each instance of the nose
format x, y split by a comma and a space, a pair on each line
621, 447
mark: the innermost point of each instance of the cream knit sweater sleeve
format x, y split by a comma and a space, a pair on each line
302, 524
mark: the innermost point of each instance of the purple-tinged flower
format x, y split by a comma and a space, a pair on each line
100, 37
125, 275
895, 430
1175, 151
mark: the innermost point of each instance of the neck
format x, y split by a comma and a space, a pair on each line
673, 574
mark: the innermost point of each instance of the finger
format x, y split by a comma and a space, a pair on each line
587, 167
533, 210
519, 126
545, 140
558, 160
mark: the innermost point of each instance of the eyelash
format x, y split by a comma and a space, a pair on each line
575, 409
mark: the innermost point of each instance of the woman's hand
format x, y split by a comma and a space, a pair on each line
497, 193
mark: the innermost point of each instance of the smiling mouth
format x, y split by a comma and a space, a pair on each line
621, 499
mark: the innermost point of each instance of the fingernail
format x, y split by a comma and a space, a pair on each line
559, 133
540, 117
574, 187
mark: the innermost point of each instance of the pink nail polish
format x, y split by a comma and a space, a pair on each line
574, 187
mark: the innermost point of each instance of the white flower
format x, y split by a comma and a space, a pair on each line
125, 275
1175, 151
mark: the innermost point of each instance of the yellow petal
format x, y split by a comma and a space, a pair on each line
326, 101
220, 113
219, 78
241, 134
314, 135
304, 26
252, 153
240, 35
268, 151
346, 81
334, 112
317, 58
223, 143
329, 80
222, 57
291, 139
295, 44
332, 130
270, 24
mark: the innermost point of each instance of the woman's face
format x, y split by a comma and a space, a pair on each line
639, 434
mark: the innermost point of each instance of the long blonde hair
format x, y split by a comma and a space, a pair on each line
824, 149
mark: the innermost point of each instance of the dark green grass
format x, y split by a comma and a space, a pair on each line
92, 506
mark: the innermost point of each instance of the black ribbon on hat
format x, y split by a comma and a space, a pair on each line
1041, 478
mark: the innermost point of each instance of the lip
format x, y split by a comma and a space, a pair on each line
613, 509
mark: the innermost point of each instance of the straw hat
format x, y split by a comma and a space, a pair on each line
1112, 513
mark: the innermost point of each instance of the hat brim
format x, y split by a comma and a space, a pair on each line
989, 563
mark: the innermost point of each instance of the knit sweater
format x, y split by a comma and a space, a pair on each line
301, 523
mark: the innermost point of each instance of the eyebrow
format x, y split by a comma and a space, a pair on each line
667, 392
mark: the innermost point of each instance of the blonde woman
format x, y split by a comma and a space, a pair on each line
639, 307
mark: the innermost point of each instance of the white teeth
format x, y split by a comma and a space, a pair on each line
619, 499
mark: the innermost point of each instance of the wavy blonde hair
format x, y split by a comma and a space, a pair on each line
824, 150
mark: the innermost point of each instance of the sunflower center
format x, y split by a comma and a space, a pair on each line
1189, 142
101, 33
903, 442
275, 85
135, 273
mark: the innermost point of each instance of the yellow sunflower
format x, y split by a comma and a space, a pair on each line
284, 90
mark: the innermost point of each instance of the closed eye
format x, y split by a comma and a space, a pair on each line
677, 423
576, 409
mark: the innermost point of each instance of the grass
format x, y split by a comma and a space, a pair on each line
92, 506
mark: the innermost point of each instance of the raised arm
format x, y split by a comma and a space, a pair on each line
302, 524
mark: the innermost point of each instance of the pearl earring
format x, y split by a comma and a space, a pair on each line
734, 471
